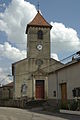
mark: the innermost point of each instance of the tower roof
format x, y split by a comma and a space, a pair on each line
38, 21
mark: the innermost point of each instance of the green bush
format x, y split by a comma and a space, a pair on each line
70, 105
74, 105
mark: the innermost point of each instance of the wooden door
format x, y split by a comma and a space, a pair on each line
39, 89
64, 93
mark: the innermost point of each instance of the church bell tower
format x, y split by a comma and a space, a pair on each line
38, 38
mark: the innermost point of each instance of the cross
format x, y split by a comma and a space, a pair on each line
38, 5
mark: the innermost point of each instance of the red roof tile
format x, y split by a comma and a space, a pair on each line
38, 21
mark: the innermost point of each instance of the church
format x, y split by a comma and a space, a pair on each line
30, 75
39, 77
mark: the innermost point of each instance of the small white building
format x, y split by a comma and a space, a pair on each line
64, 82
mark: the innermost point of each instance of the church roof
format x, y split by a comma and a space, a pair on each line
9, 85
38, 21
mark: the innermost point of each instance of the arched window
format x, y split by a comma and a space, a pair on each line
40, 34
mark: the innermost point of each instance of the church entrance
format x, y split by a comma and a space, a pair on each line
39, 89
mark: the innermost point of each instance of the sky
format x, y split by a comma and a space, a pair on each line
63, 15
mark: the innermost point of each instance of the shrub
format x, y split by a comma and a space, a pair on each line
73, 105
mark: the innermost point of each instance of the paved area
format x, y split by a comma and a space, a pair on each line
19, 114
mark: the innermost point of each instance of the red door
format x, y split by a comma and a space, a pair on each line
39, 89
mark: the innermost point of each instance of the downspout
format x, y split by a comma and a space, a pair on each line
14, 79
57, 88
32, 87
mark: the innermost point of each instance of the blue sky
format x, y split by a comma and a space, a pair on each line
64, 11
63, 15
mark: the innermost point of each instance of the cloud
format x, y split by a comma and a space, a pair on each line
54, 56
4, 79
8, 54
11, 53
64, 40
14, 21
2, 5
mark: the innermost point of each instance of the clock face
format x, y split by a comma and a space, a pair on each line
39, 47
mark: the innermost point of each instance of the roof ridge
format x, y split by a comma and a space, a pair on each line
9, 84
44, 19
